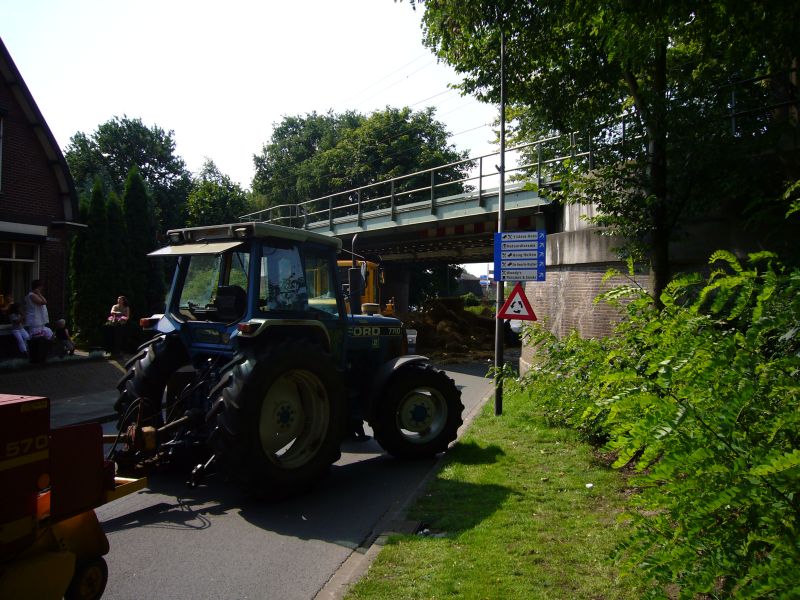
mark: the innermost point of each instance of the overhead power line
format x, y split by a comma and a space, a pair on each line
385, 77
399, 81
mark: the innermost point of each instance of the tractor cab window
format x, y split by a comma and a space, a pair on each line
294, 282
283, 283
215, 287
321, 284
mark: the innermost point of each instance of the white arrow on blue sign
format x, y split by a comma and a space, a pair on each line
520, 256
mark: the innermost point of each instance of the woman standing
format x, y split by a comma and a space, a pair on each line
36, 316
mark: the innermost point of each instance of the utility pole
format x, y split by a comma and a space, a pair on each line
499, 330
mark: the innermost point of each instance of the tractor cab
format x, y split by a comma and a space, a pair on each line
224, 287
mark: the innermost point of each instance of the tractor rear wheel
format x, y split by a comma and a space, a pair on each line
147, 376
282, 420
419, 414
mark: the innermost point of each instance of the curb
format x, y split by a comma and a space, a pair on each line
392, 523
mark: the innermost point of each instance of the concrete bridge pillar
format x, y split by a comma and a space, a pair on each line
397, 280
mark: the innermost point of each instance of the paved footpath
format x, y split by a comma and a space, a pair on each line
80, 390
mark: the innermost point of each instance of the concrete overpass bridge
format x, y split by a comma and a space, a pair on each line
424, 217
428, 217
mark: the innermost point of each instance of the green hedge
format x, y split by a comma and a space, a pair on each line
700, 399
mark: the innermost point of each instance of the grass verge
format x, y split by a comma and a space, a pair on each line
519, 510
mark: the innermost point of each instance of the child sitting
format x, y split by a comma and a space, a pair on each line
62, 334
17, 330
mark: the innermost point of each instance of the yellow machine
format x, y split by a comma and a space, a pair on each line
372, 275
51, 543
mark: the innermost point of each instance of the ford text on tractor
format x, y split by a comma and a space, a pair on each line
258, 365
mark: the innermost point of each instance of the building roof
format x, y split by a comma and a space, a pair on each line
20, 91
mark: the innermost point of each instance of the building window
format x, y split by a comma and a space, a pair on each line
19, 265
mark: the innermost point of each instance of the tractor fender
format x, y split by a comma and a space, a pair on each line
386, 371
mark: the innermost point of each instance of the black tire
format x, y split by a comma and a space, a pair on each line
89, 580
420, 413
147, 378
282, 419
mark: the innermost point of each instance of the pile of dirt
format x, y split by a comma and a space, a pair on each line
449, 333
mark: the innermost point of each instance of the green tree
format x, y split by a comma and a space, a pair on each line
312, 156
122, 143
432, 281
390, 143
295, 141
144, 277
215, 198
119, 255
575, 65
91, 268
315, 155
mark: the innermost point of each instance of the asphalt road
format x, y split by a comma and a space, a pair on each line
172, 541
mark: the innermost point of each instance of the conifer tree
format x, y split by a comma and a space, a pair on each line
119, 255
91, 269
144, 278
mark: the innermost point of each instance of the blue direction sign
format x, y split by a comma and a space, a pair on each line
520, 256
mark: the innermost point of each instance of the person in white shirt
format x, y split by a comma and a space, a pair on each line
36, 316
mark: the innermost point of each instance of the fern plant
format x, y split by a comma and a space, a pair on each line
702, 398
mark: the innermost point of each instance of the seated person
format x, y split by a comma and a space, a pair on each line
120, 312
17, 330
62, 334
5, 303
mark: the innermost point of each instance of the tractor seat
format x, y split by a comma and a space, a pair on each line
231, 302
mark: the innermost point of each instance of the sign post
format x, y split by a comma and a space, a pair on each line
501, 199
518, 256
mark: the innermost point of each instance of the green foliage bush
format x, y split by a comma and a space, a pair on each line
701, 400
471, 299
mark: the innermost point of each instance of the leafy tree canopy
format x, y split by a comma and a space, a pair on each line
122, 143
214, 198
315, 155
577, 65
574, 63
295, 141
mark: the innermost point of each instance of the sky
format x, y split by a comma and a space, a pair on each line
220, 75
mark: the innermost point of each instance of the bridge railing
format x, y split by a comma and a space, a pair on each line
541, 163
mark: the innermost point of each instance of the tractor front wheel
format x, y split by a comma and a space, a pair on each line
419, 414
282, 420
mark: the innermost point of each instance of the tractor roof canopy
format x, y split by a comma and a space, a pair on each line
215, 239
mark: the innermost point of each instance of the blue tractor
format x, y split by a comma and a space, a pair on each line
257, 363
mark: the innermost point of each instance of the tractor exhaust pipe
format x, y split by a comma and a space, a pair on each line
355, 281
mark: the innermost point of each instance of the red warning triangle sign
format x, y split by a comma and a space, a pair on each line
517, 306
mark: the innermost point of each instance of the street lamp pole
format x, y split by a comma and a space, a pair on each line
499, 323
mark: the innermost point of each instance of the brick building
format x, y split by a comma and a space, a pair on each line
38, 203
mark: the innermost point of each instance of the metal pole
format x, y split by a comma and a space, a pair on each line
480, 181
499, 323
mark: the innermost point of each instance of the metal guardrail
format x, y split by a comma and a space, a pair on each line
540, 163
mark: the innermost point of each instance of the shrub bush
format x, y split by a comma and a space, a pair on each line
471, 299
702, 398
